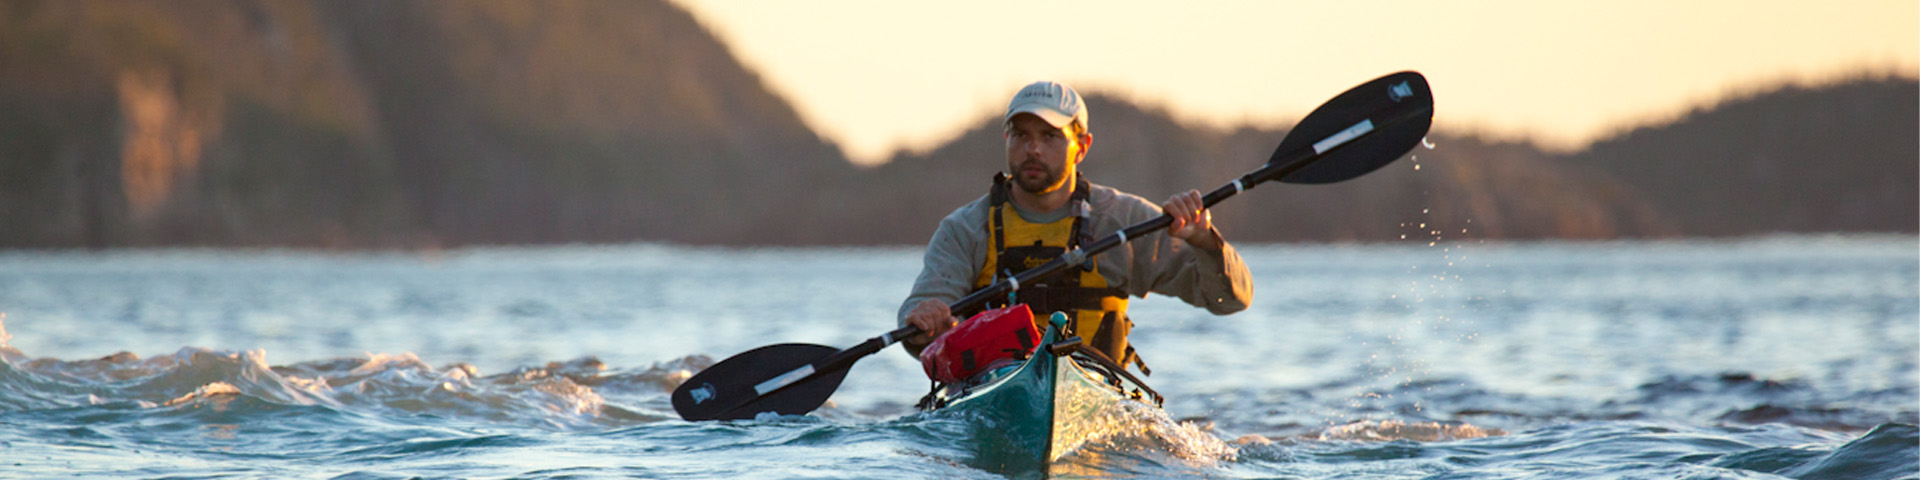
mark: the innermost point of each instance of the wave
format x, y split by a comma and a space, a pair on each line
1145, 441
1394, 430
1886, 452
556, 395
1605, 449
1742, 398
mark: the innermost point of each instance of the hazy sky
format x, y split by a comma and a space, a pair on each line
879, 75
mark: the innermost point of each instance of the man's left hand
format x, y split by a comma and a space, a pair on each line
1192, 223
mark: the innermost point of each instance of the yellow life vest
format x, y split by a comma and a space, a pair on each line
1099, 312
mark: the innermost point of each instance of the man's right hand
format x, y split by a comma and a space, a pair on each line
931, 317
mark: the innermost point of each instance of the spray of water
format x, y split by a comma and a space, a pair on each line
1397, 379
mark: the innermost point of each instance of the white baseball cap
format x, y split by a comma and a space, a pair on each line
1054, 102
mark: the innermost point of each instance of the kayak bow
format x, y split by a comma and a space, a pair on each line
1026, 415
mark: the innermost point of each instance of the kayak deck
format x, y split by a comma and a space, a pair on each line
1027, 414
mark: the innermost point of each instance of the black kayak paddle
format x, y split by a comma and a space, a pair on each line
1357, 132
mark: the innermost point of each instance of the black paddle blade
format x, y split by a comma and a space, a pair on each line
774, 378
1361, 130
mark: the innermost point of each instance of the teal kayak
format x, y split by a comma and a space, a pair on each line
1027, 415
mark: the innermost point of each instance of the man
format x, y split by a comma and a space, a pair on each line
1043, 207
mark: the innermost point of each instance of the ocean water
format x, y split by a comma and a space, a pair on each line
1765, 358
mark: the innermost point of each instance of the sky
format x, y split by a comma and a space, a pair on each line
877, 76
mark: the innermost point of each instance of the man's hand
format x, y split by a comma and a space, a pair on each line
1192, 223
932, 317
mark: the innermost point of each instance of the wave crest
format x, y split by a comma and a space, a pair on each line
556, 395
1393, 430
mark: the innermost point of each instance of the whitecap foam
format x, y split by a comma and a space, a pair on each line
1392, 430
560, 395
1139, 439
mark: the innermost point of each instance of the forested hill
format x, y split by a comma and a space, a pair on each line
423, 123
387, 123
1843, 158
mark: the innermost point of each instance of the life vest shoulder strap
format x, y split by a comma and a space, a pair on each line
1001, 195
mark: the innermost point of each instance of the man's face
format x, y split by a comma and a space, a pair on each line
1041, 157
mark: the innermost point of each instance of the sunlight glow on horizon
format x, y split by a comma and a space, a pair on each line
878, 76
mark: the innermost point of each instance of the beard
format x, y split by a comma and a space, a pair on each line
1037, 178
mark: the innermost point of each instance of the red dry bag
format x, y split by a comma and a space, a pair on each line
988, 339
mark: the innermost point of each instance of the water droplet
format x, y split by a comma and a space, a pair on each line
1425, 143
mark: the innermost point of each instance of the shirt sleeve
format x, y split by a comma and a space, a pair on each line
1158, 263
952, 260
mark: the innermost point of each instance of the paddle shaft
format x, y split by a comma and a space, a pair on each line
1274, 169
845, 358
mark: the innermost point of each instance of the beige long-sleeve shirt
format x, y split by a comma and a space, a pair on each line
1159, 263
